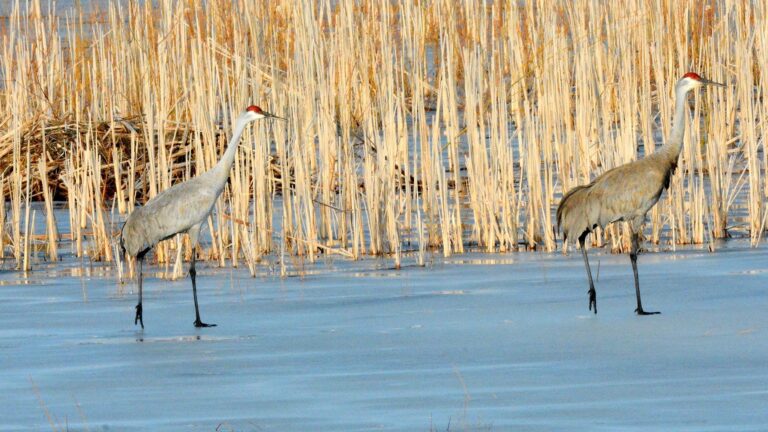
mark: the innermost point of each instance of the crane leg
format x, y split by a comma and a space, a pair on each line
633, 257
192, 274
592, 292
139, 318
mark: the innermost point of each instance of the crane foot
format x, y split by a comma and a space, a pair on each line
199, 324
138, 318
641, 312
592, 299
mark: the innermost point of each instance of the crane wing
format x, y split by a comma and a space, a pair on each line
625, 193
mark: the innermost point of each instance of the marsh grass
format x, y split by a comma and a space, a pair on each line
446, 123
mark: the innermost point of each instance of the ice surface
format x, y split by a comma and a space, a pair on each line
478, 342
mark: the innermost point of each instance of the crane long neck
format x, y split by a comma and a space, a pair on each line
675, 141
222, 168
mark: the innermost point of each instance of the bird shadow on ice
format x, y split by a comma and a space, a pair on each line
183, 339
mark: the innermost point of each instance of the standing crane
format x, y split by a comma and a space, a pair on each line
627, 192
182, 209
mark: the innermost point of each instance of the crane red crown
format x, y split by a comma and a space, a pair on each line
254, 108
692, 75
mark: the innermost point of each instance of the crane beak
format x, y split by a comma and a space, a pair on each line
270, 115
712, 83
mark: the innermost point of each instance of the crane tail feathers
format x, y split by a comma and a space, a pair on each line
561, 208
567, 206
122, 241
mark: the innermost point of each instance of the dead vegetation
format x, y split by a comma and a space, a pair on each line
442, 124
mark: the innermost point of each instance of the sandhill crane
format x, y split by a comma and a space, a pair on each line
182, 208
627, 192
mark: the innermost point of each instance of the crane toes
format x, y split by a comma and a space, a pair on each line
641, 312
592, 299
199, 324
138, 318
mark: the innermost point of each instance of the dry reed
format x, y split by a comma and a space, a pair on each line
452, 123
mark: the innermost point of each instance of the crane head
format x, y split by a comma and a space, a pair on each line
254, 112
692, 80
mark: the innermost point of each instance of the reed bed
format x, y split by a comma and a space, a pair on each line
438, 125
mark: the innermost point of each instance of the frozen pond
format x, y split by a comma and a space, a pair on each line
479, 342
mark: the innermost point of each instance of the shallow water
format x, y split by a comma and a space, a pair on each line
62, 6
479, 342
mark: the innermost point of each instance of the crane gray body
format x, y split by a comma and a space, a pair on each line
627, 192
182, 208
616, 196
188, 203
